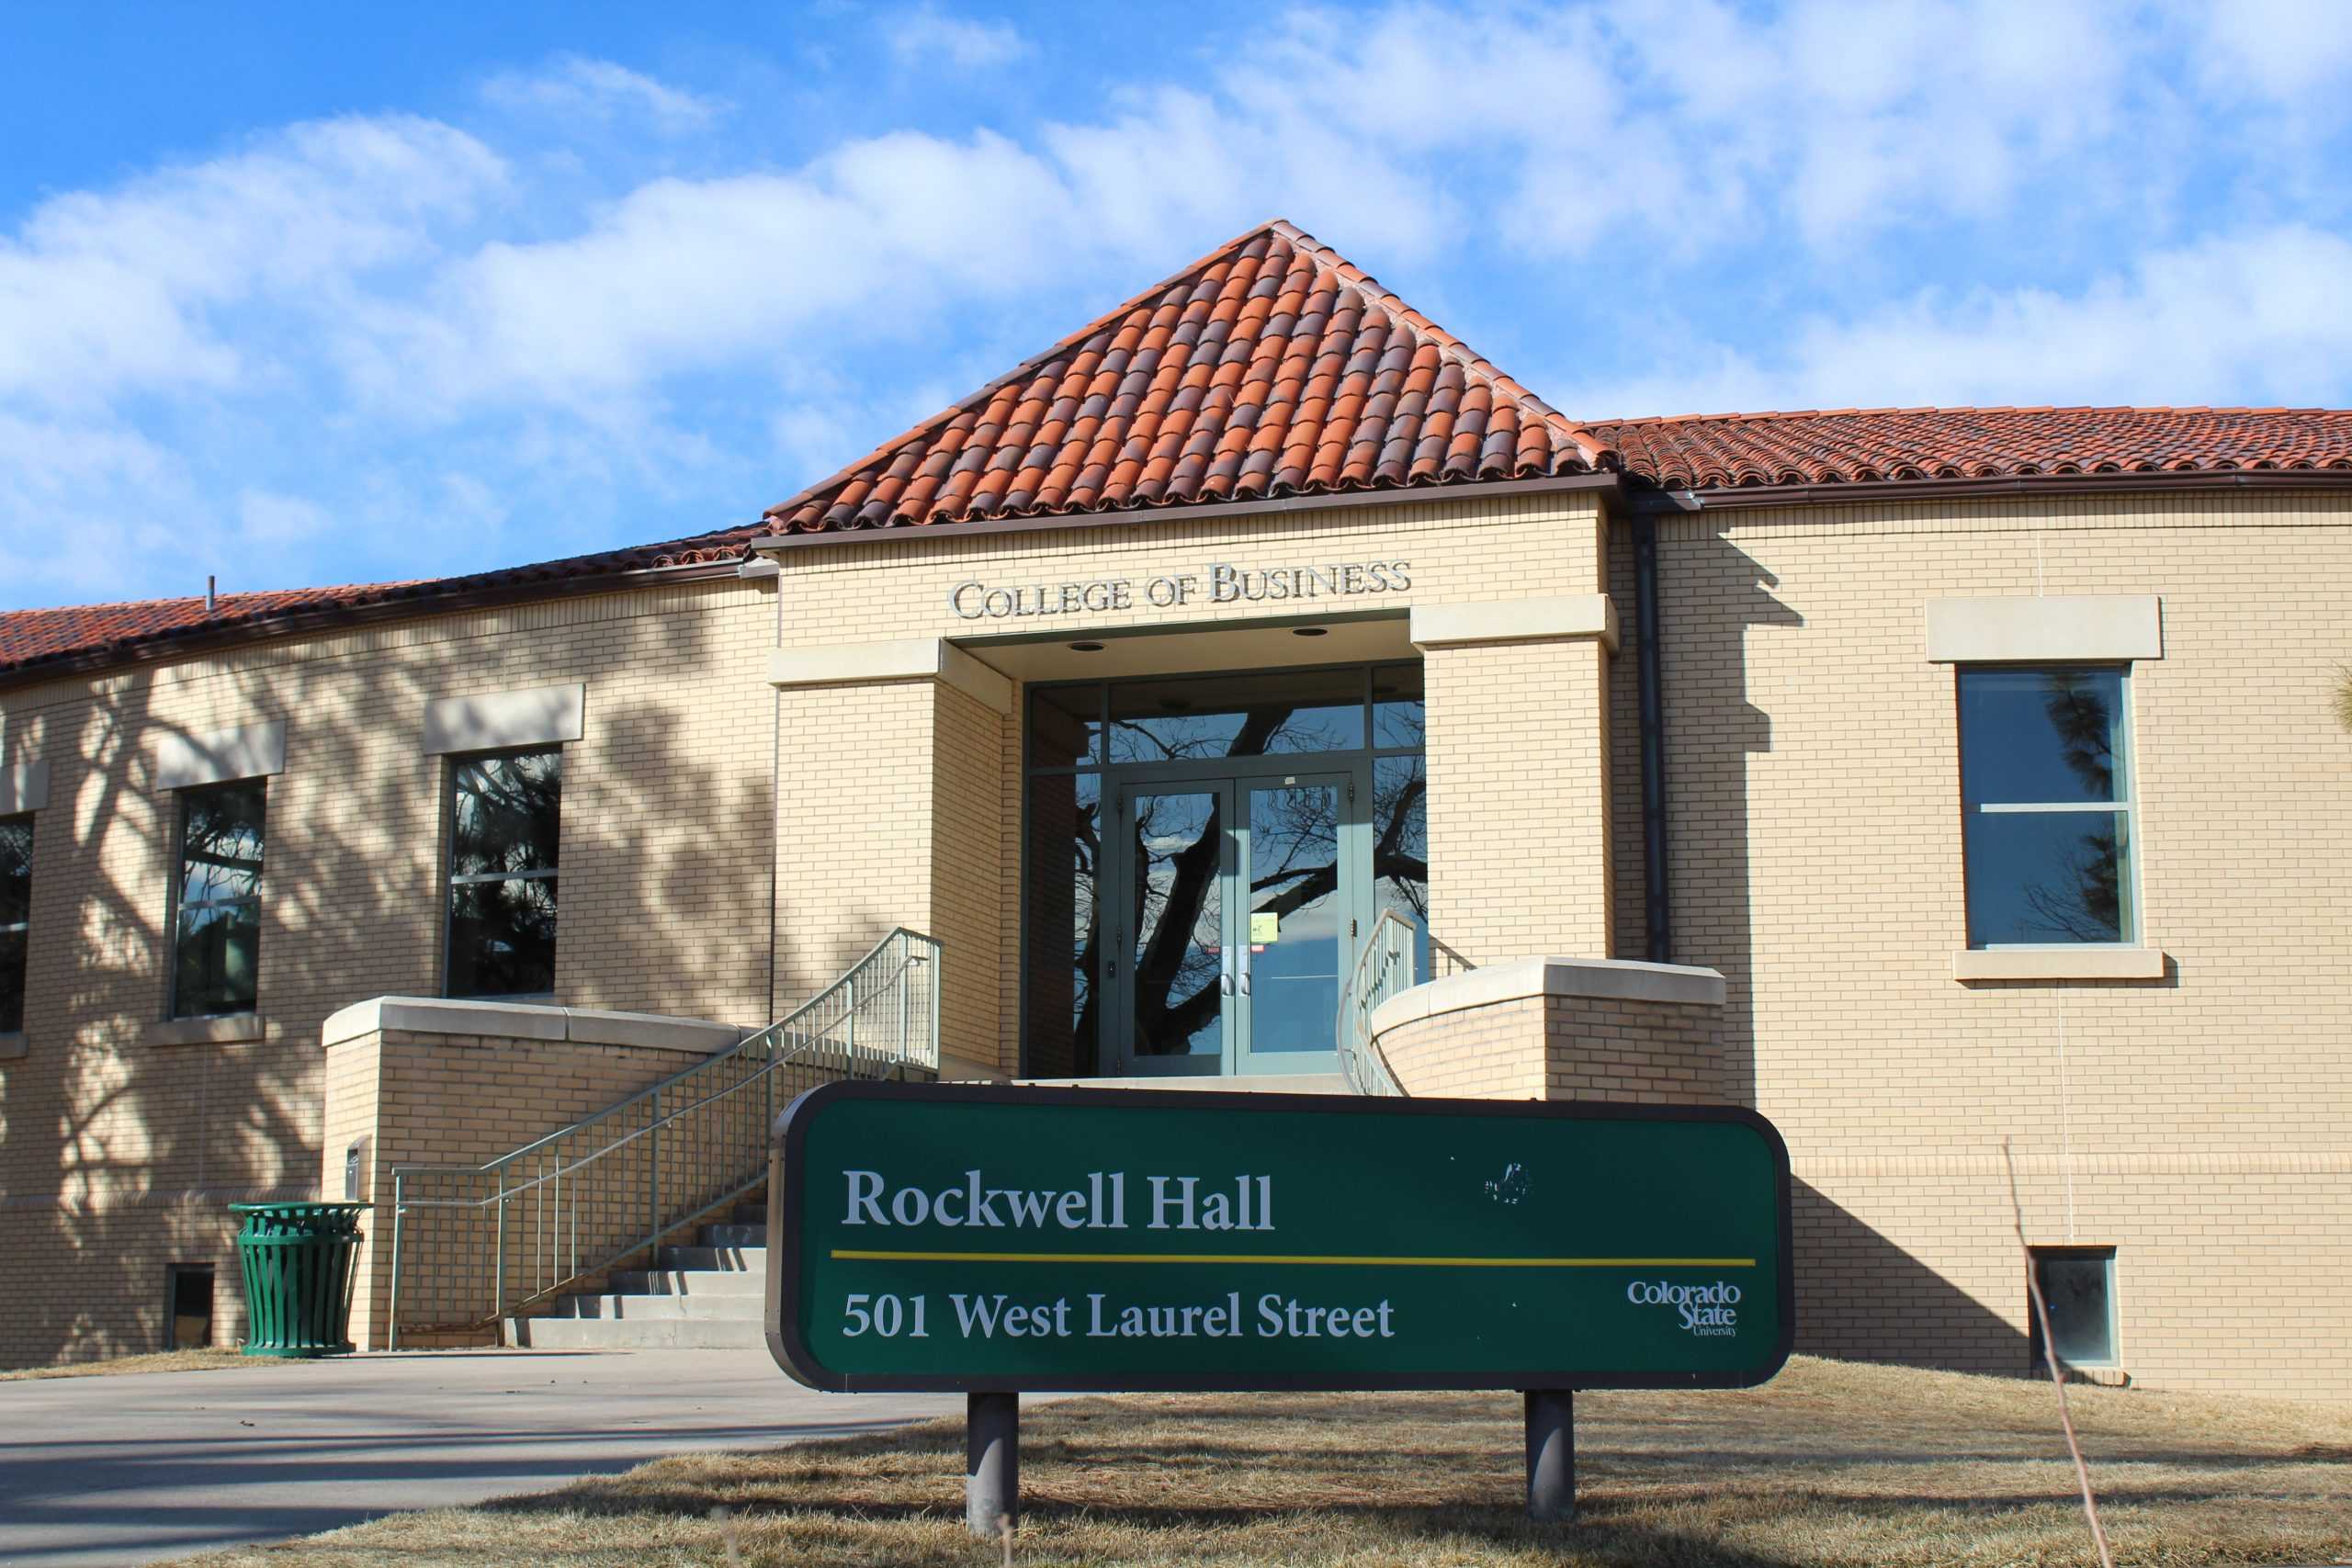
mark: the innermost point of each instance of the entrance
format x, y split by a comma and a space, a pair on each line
1206, 853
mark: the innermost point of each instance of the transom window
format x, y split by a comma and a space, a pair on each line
216, 947
2045, 780
504, 818
16, 917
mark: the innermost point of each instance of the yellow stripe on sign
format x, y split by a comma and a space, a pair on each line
850, 1255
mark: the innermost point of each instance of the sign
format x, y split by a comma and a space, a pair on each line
1220, 584
979, 1237
1265, 926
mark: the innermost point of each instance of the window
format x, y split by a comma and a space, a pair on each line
503, 826
2078, 1286
190, 1288
16, 917
2046, 797
216, 945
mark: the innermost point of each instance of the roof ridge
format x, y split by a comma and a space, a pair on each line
1325, 258
224, 596
1028, 367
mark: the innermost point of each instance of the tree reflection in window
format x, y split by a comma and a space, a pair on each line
506, 816
16, 917
2048, 803
215, 949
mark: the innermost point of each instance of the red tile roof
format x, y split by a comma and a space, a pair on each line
1269, 368
1273, 368
1863, 446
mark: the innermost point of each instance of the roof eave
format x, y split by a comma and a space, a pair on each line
1654, 499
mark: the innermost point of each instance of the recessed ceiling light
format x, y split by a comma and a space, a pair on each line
1310, 631
1086, 647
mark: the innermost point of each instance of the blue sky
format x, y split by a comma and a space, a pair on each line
303, 294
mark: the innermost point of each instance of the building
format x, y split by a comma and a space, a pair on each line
1959, 787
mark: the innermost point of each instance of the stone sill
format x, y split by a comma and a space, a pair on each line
1616, 979
2058, 964
227, 1028
12, 1046
528, 1020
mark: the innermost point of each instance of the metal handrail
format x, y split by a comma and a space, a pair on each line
578, 1202
1384, 967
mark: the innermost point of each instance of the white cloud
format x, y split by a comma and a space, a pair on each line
926, 34
572, 87
2255, 318
2293, 52
271, 519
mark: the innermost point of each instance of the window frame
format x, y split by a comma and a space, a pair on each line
2126, 806
179, 905
23, 928
451, 880
2037, 1348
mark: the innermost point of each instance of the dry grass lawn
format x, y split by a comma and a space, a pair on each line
1831, 1463
208, 1360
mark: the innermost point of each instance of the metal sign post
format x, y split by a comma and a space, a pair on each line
984, 1239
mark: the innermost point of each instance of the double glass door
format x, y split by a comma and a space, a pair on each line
1234, 902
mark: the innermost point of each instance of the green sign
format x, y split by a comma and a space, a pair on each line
976, 1237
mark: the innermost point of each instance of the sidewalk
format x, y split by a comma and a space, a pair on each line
131, 1469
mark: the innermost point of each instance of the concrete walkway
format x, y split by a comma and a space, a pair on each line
148, 1465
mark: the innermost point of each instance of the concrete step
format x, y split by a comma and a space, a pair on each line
754, 1259
638, 1334
735, 1234
612, 1307
689, 1281
1243, 1083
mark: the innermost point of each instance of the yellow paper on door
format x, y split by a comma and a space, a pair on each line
1264, 925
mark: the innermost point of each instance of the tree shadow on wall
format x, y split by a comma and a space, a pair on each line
130, 1151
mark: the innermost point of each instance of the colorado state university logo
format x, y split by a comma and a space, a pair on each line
1710, 1311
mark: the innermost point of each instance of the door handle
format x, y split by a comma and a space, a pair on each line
1243, 958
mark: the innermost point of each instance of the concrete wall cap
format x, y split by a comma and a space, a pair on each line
248, 751
495, 721
1619, 979
901, 659
229, 1029
1993, 630
1559, 618
527, 1021
2058, 964
24, 787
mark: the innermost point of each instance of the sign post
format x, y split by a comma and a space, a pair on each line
987, 1239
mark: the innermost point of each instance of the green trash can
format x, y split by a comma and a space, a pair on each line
298, 1276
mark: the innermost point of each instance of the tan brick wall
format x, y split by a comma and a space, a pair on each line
2195, 1123
115, 1157
1561, 1048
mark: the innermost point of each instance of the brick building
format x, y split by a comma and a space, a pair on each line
1977, 789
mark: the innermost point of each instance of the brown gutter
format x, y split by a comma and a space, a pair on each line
1190, 511
157, 647
1745, 497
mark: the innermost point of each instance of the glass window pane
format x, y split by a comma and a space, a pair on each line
2048, 736
220, 842
217, 960
2082, 1320
507, 814
1397, 712
16, 870
1179, 891
502, 938
1064, 853
12, 945
1400, 848
2047, 876
1293, 926
1065, 725
1280, 713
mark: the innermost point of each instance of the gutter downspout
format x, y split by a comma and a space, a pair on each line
1657, 894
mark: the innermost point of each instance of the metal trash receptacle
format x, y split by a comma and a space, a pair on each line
297, 1259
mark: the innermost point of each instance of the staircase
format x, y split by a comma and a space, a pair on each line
709, 1296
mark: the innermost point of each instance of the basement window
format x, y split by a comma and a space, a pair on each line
505, 816
190, 1289
2078, 1286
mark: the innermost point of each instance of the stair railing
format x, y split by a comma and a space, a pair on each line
474, 1244
1384, 968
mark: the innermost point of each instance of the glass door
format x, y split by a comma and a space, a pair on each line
1299, 912
1173, 965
